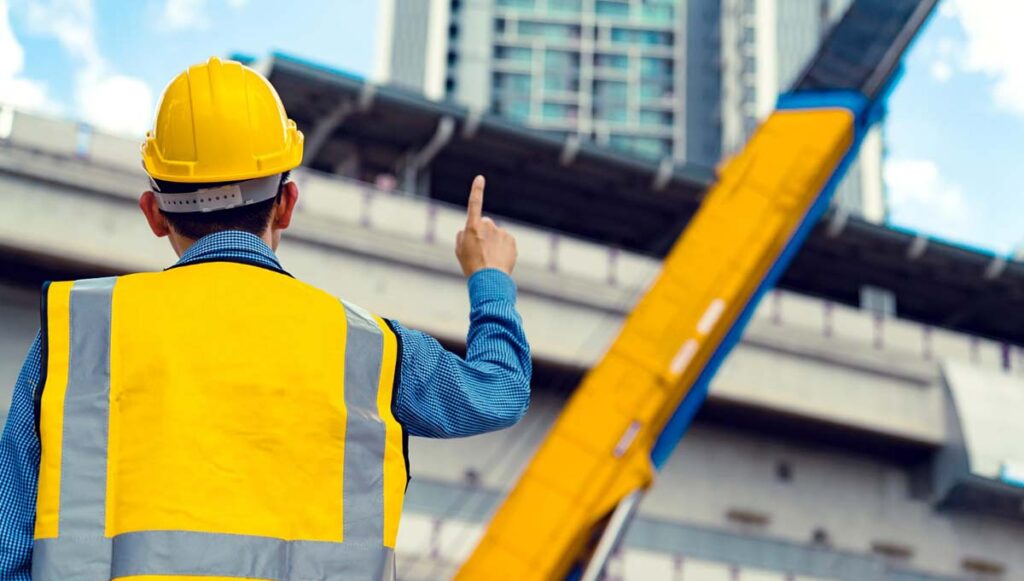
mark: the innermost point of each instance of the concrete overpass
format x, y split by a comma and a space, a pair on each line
811, 459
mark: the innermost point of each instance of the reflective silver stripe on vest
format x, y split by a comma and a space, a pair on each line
365, 431
82, 552
83, 471
213, 554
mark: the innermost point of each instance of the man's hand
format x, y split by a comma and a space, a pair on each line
482, 244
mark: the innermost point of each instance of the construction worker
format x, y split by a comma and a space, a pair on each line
221, 419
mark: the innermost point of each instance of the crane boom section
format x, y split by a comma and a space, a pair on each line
600, 448
634, 406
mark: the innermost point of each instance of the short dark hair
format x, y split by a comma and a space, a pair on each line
253, 218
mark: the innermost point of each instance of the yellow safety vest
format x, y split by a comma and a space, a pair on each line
215, 421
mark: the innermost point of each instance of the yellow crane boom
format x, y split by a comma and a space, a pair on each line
634, 405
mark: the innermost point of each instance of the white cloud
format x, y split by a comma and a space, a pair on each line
117, 103
104, 98
191, 14
920, 197
994, 45
941, 71
185, 14
16, 90
946, 56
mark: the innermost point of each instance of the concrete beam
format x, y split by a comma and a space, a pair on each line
68, 209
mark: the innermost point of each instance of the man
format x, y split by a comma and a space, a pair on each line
220, 419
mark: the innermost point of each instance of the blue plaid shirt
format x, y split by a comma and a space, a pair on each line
439, 395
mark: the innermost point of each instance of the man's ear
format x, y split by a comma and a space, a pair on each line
151, 208
285, 205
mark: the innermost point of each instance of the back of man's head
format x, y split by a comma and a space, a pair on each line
252, 218
220, 152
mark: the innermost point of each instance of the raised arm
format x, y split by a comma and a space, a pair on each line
442, 395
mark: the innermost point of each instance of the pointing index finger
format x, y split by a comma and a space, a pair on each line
475, 206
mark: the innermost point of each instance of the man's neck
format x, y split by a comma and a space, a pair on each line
181, 244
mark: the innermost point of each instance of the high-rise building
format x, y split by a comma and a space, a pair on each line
686, 80
611, 71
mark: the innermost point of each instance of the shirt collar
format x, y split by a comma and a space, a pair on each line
230, 244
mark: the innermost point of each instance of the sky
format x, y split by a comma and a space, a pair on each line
954, 131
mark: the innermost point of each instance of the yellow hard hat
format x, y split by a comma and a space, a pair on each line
220, 121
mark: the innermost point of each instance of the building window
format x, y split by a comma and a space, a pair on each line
749, 94
618, 62
549, 30
749, 65
748, 35
656, 118
655, 90
561, 82
655, 67
562, 61
513, 54
558, 111
612, 8
657, 13
615, 113
517, 109
512, 83
611, 91
564, 6
642, 37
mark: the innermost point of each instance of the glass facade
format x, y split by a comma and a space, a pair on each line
611, 91
516, 3
548, 30
513, 54
565, 6
656, 118
657, 13
561, 83
600, 69
641, 37
611, 8
612, 61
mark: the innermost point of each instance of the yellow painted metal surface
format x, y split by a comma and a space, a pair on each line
599, 449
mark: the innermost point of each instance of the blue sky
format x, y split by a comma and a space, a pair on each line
955, 129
